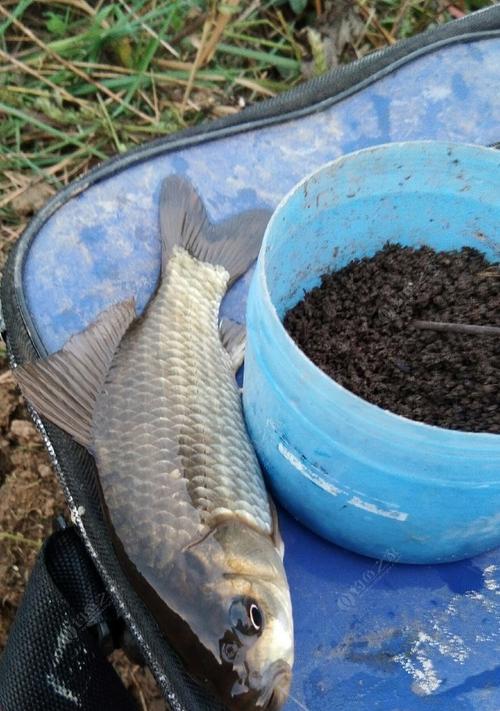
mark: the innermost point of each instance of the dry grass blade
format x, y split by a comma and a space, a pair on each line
69, 65
149, 31
37, 75
492, 273
254, 5
403, 7
466, 328
142, 700
254, 86
6, 377
78, 5
221, 21
31, 119
371, 18
14, 195
19, 538
196, 64
190, 27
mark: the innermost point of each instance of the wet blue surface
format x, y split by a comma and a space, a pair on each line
369, 635
381, 635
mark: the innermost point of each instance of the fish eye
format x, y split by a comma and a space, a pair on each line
255, 616
246, 616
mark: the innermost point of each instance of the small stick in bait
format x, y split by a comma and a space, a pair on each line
457, 328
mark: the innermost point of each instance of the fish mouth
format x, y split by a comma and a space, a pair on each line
276, 692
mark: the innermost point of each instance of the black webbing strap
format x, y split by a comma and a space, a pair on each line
54, 659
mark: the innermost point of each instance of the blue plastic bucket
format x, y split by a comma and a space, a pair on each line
366, 478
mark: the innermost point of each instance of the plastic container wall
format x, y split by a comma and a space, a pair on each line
366, 478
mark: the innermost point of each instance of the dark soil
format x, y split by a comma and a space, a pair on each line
357, 327
29, 497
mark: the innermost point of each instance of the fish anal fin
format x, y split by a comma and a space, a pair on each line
64, 387
233, 244
233, 337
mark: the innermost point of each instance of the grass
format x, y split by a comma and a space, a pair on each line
19, 538
81, 80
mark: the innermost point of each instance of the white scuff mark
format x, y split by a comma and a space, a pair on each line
491, 606
85, 256
108, 206
449, 644
77, 513
474, 595
451, 609
299, 465
63, 691
421, 669
438, 93
308, 471
418, 663
490, 579
63, 639
482, 526
299, 703
492, 585
374, 509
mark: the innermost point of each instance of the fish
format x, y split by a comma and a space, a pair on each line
154, 399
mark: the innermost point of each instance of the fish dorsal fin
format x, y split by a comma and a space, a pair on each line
233, 244
233, 336
64, 387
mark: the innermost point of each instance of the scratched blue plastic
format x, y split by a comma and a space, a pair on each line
362, 476
368, 635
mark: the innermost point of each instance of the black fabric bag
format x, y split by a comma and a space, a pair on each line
76, 605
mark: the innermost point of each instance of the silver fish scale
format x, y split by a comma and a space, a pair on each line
171, 445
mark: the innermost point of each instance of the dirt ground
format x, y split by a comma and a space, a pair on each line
30, 500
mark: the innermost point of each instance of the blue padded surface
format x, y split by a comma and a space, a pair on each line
369, 635
103, 244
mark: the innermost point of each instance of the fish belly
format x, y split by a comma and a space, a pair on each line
172, 451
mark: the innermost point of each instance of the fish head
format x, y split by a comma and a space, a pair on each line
256, 650
253, 627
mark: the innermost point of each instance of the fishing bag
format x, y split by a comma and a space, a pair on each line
400, 637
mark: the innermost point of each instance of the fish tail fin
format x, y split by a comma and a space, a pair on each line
64, 387
233, 244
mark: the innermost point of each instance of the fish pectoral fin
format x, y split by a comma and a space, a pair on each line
233, 337
233, 244
64, 386
276, 535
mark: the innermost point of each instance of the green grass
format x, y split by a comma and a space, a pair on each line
81, 80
